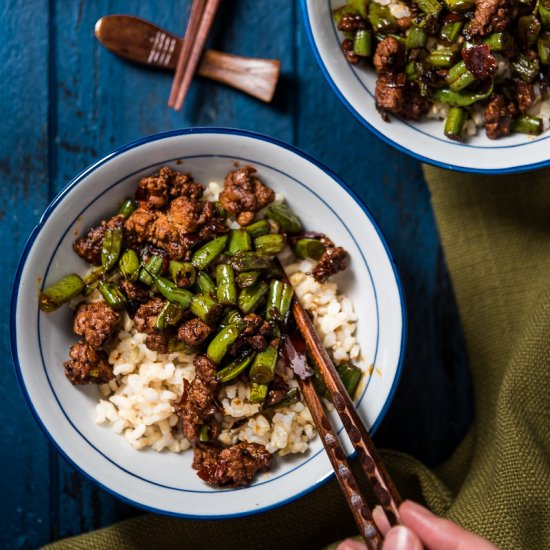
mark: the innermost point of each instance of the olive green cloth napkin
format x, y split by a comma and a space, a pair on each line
496, 234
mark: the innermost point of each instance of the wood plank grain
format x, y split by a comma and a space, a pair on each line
431, 410
24, 127
103, 102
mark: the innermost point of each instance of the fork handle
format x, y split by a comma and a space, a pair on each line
139, 40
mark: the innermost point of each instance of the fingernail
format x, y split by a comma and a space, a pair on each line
401, 538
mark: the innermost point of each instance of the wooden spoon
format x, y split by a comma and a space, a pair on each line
142, 42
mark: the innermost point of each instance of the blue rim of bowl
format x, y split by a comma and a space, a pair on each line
386, 139
137, 143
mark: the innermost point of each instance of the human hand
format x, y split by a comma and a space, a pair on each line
419, 529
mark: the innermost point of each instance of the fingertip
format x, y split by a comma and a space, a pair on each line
351, 545
381, 519
401, 538
408, 507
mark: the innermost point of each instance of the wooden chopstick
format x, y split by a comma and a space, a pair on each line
197, 10
356, 502
379, 479
191, 64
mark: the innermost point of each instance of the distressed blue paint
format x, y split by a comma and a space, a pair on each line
66, 101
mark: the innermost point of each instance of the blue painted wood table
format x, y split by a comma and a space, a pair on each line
66, 101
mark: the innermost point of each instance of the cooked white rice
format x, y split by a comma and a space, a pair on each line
139, 402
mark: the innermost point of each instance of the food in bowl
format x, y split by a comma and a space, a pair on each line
182, 317
474, 64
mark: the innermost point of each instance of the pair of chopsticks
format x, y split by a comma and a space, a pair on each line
380, 482
200, 22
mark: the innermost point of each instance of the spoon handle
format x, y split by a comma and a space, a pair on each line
143, 42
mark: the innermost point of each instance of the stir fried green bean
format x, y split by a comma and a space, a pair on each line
258, 392
182, 273
259, 228
112, 295
218, 346
247, 278
207, 253
205, 284
235, 367
284, 217
129, 264
263, 367
250, 297
112, 245
239, 241
206, 308
127, 207
61, 292
227, 288
151, 269
270, 245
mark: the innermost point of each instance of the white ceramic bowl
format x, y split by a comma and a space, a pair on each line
424, 140
164, 482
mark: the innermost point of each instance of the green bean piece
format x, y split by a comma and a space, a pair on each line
270, 245
182, 273
499, 41
174, 314
235, 368
454, 125
459, 77
459, 6
525, 68
543, 46
309, 248
528, 30
362, 43
463, 98
350, 376
231, 317
60, 293
258, 393
247, 278
152, 268
433, 7
206, 308
286, 302
171, 292
175, 345
204, 434
381, 19
218, 346
160, 320
220, 209
128, 264
262, 370
411, 70
239, 241
416, 38
285, 218
450, 31
205, 284
250, 297
524, 124
208, 252
110, 250
274, 300
357, 7
256, 229
127, 207
544, 13
94, 276
291, 396
112, 295
227, 289
442, 59
249, 261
